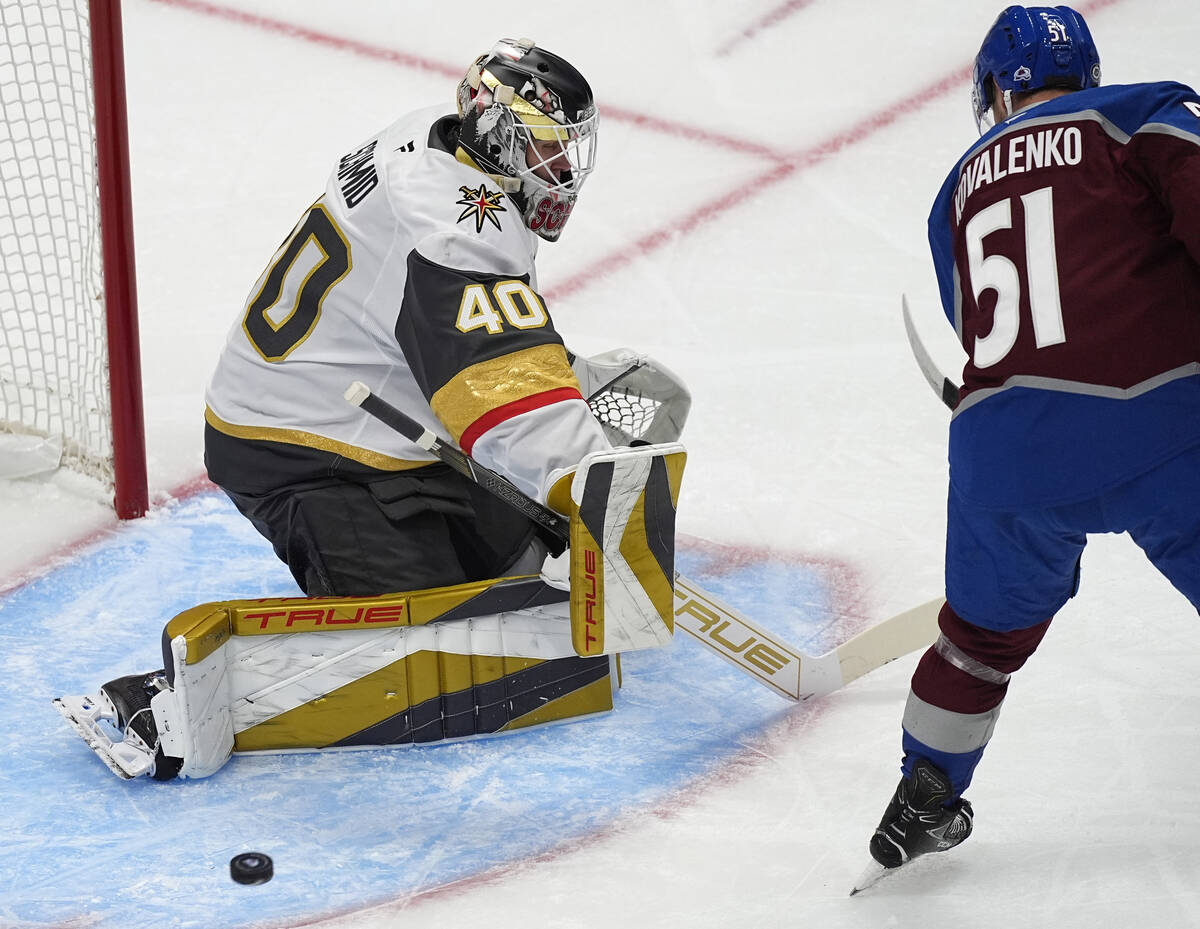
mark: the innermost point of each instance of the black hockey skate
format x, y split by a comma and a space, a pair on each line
123, 705
918, 821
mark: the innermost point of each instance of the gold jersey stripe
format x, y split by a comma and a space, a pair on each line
488, 385
365, 456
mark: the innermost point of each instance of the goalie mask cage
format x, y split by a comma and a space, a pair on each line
69, 357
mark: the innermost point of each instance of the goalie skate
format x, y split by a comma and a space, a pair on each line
118, 725
94, 721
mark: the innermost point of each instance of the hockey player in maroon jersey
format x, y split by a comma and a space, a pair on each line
1067, 248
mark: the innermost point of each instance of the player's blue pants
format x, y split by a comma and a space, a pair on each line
1007, 573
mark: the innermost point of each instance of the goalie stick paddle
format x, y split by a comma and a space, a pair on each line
755, 651
942, 385
786, 670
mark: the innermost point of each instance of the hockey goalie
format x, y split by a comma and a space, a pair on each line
428, 613
448, 663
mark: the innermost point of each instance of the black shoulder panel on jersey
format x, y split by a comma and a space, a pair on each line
450, 320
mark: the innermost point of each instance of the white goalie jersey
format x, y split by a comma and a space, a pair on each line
415, 275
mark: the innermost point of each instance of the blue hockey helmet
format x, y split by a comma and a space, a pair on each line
1031, 48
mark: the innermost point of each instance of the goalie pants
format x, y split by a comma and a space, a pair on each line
1007, 574
400, 532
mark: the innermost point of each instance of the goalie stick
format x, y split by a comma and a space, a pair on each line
360, 395
788, 671
945, 388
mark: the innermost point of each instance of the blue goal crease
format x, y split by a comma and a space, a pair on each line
384, 823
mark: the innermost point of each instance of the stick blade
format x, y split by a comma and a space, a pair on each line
891, 639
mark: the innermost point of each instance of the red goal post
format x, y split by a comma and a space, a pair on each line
69, 352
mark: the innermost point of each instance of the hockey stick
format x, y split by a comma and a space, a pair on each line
942, 385
360, 395
786, 670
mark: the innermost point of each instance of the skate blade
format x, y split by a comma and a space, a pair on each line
84, 714
874, 873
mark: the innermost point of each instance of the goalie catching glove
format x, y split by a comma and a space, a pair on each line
635, 398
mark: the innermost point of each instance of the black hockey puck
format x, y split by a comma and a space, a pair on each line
251, 868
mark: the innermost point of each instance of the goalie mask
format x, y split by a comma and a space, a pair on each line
529, 121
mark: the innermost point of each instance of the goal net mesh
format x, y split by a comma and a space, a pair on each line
53, 353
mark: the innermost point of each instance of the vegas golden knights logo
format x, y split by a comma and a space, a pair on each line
482, 204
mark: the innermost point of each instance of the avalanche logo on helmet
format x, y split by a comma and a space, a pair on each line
481, 203
1027, 49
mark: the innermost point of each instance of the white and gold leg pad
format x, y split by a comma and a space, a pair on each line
301, 674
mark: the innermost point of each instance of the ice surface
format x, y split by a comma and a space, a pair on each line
757, 210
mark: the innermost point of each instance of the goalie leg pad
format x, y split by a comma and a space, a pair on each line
622, 548
300, 674
293, 673
429, 694
194, 718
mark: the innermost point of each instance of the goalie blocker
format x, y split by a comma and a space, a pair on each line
622, 548
301, 674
